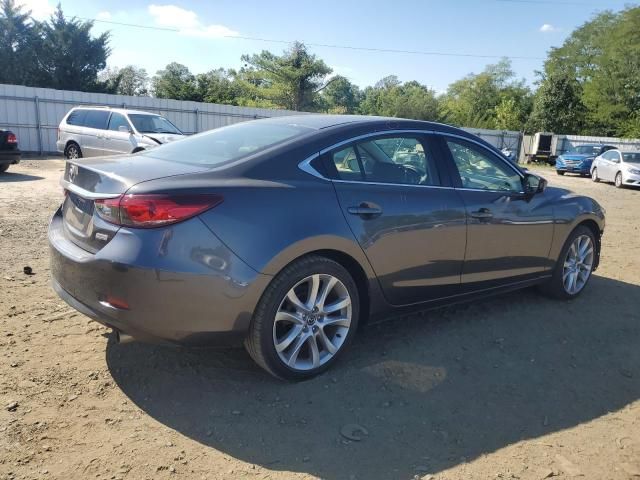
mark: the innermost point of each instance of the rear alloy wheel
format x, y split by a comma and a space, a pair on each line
73, 151
618, 180
575, 265
305, 319
594, 175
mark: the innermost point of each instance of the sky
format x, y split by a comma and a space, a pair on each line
204, 35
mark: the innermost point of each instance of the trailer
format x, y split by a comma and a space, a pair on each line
543, 149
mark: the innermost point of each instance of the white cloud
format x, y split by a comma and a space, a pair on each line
103, 16
548, 28
187, 22
40, 9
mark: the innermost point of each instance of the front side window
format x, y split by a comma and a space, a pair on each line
116, 121
481, 170
153, 124
397, 160
96, 119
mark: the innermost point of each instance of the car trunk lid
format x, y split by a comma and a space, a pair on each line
87, 180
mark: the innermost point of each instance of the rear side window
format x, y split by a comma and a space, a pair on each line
76, 117
96, 119
396, 160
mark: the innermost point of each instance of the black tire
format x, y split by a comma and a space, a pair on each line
559, 172
72, 151
594, 175
555, 286
260, 340
4, 167
618, 181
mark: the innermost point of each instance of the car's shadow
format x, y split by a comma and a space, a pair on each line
431, 391
10, 177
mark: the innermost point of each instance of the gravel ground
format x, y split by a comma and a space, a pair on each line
517, 386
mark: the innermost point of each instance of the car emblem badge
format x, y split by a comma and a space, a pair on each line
73, 172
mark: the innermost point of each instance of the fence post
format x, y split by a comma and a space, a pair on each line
38, 126
197, 112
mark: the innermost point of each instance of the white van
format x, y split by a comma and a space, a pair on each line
98, 131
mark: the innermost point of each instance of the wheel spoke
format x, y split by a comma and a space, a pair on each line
326, 289
293, 298
296, 350
315, 352
313, 291
337, 321
339, 305
290, 317
326, 342
289, 338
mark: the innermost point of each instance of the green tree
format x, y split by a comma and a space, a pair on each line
177, 82
390, 97
341, 96
68, 57
291, 80
219, 86
17, 41
130, 80
558, 106
477, 99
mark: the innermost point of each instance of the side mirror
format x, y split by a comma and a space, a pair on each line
124, 129
534, 184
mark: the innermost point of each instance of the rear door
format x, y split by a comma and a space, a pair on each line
117, 141
409, 223
93, 134
509, 233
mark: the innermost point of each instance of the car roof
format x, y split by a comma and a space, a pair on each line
114, 109
596, 145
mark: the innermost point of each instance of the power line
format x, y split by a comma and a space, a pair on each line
552, 2
325, 45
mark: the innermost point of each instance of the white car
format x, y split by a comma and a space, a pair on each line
621, 168
99, 131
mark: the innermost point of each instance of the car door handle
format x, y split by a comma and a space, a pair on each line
365, 210
482, 214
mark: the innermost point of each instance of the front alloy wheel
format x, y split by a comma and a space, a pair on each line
305, 319
578, 265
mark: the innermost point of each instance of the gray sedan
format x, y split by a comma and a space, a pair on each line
288, 233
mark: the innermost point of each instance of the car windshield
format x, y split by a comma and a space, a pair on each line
588, 150
227, 144
631, 157
152, 124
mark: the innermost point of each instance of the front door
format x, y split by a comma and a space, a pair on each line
509, 233
118, 140
409, 223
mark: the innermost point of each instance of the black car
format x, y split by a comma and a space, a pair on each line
9, 152
287, 233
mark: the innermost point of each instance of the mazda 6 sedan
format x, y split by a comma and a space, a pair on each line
288, 233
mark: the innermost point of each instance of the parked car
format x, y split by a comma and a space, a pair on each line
621, 168
579, 159
100, 131
9, 152
287, 233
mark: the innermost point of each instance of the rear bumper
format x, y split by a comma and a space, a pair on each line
177, 290
10, 157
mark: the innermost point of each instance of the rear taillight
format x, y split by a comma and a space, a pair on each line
148, 211
11, 138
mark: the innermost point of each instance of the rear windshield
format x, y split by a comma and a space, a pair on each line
226, 144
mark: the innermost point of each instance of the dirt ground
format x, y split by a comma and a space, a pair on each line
516, 386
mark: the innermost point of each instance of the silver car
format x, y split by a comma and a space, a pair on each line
621, 168
99, 131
